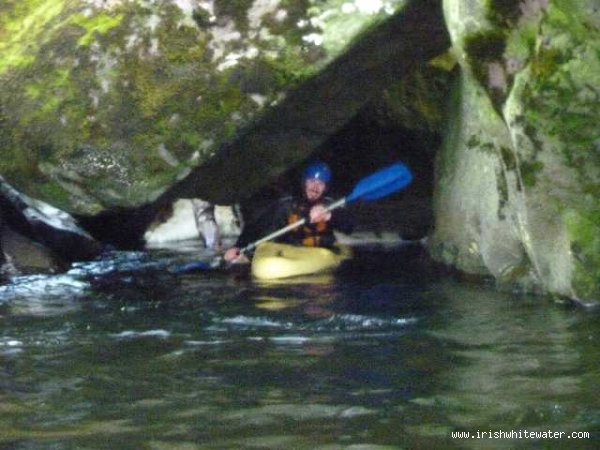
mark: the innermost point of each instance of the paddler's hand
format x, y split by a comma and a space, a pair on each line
233, 255
319, 213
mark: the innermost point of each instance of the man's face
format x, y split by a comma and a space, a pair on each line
314, 189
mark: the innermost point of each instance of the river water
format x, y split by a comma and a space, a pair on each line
121, 353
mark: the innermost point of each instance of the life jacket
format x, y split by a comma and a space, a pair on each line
319, 234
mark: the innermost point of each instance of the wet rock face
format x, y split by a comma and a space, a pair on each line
22, 255
36, 237
193, 219
106, 104
517, 191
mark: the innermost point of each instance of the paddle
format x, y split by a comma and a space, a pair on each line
373, 187
380, 184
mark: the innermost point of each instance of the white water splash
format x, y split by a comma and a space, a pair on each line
291, 340
42, 286
368, 322
195, 343
10, 346
130, 334
344, 322
260, 322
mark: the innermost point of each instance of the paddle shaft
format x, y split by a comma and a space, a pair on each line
375, 186
290, 227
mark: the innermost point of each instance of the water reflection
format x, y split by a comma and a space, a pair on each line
380, 357
517, 365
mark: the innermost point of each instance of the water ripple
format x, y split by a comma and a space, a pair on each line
129, 334
336, 322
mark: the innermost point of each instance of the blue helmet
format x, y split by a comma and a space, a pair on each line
317, 170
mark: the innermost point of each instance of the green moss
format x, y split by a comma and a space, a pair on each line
236, 9
182, 47
151, 88
562, 103
417, 102
64, 97
202, 18
521, 43
473, 141
591, 189
530, 171
483, 48
570, 15
48, 93
584, 231
22, 24
503, 13
502, 186
546, 62
508, 157
33, 91
290, 67
60, 197
96, 25
296, 11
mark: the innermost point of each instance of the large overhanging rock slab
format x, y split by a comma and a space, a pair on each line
320, 106
107, 104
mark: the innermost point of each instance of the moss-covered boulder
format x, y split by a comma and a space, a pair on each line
399, 47
517, 193
106, 104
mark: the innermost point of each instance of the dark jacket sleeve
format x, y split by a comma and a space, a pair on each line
271, 218
341, 220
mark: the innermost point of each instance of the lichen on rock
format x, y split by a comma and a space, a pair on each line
534, 60
159, 86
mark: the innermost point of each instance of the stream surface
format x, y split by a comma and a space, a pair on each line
120, 353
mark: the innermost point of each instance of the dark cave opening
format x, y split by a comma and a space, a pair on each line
363, 147
360, 148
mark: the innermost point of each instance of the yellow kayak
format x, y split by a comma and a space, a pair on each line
273, 260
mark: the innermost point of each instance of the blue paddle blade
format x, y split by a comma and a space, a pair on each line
382, 183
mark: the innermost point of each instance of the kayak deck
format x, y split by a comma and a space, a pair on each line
273, 260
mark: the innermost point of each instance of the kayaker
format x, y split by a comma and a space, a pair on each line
320, 223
